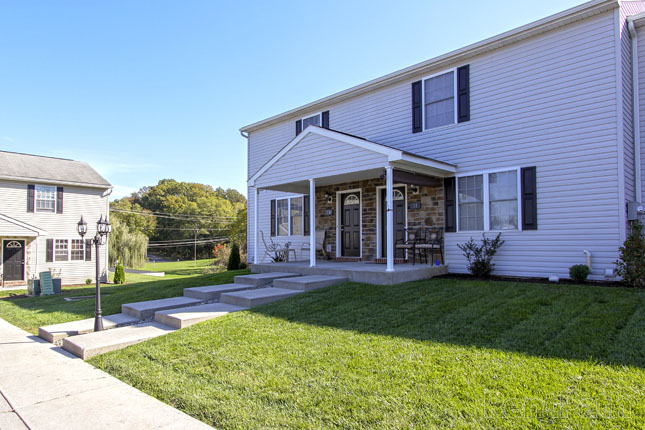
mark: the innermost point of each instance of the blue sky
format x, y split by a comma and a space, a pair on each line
146, 90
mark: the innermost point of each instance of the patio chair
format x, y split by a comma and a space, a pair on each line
321, 237
432, 242
407, 243
275, 251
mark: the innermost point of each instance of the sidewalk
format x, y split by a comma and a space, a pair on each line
44, 387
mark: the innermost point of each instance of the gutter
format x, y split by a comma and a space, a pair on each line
636, 111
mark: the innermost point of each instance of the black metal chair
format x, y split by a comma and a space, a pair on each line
407, 243
432, 242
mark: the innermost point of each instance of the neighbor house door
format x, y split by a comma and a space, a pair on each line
399, 220
13, 260
351, 224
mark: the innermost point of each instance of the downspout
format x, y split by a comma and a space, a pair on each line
636, 112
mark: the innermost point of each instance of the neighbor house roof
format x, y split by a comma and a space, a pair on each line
566, 17
36, 168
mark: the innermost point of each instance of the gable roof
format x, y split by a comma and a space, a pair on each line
36, 168
392, 154
543, 25
21, 228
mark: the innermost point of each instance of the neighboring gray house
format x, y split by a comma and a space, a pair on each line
42, 200
529, 133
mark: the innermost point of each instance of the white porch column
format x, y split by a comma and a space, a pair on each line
389, 195
312, 223
256, 212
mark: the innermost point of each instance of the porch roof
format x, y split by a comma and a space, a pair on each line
13, 227
331, 157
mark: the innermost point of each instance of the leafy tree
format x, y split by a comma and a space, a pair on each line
129, 248
129, 213
234, 258
238, 229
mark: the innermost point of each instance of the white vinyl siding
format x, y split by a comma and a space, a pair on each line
45, 198
548, 101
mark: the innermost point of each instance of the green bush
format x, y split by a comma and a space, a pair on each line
480, 257
631, 266
234, 258
119, 274
88, 281
243, 265
579, 272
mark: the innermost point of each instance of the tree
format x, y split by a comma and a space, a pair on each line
234, 258
129, 248
238, 229
136, 218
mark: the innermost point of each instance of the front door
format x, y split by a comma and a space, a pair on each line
13, 260
351, 225
399, 221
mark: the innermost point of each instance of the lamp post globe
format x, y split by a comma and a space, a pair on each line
81, 227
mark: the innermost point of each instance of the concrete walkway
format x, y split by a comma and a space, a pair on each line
44, 387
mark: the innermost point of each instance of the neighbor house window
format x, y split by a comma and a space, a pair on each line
45, 198
296, 216
489, 201
61, 250
283, 217
439, 100
78, 250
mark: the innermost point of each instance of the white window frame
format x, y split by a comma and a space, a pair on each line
68, 250
486, 198
423, 98
277, 224
319, 115
36, 187
71, 246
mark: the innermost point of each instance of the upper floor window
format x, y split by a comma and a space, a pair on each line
45, 198
439, 100
312, 120
320, 119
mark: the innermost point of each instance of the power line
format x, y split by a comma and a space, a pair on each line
178, 216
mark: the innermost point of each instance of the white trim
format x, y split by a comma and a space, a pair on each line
256, 212
54, 182
486, 198
39, 232
389, 179
454, 98
379, 216
392, 153
620, 127
534, 28
312, 222
339, 220
24, 256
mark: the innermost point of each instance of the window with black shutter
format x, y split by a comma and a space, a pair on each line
417, 107
529, 198
49, 250
31, 196
59, 200
441, 99
88, 249
298, 127
450, 197
305, 227
325, 119
463, 93
273, 221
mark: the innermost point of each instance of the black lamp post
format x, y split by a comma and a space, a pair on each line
103, 228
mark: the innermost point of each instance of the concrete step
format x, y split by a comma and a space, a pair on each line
308, 283
143, 310
262, 279
184, 317
252, 298
213, 292
57, 332
89, 345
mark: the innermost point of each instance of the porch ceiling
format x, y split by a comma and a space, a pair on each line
331, 157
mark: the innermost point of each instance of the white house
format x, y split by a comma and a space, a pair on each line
530, 133
41, 202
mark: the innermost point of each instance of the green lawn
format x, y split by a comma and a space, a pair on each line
439, 353
33, 312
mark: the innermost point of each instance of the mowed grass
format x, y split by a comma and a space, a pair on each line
443, 353
33, 312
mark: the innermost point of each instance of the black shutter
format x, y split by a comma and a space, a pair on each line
463, 93
88, 249
31, 195
49, 255
529, 198
450, 197
417, 121
325, 119
272, 217
305, 215
298, 127
59, 200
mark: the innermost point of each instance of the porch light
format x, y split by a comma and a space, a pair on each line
328, 196
103, 226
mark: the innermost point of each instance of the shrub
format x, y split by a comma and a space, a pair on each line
480, 256
119, 274
243, 265
88, 281
221, 254
579, 272
234, 258
631, 266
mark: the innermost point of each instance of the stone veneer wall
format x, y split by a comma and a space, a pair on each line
431, 213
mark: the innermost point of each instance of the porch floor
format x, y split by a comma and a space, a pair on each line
365, 272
